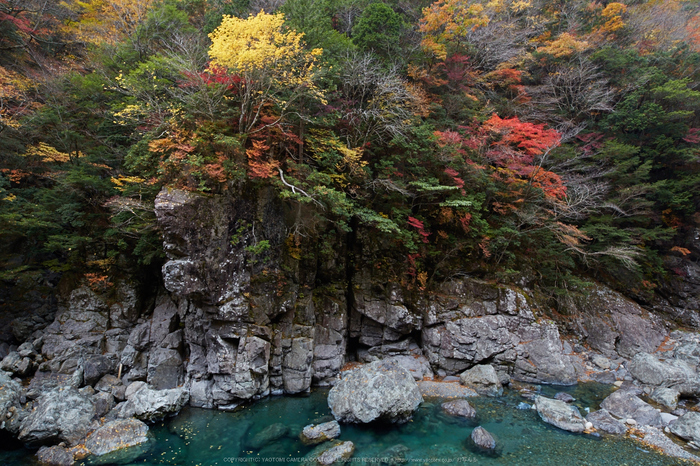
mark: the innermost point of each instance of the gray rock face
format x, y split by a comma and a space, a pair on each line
313, 434
603, 421
79, 334
560, 414
151, 405
626, 405
483, 439
483, 379
687, 426
468, 322
541, 356
380, 391
62, 414
613, 324
164, 368
459, 408
117, 435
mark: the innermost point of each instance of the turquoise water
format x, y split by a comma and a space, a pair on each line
207, 437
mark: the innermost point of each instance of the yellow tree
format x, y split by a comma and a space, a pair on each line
447, 21
274, 66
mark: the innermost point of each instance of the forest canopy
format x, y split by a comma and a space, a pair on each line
559, 138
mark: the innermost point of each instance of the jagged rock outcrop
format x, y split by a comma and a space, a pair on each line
380, 391
250, 329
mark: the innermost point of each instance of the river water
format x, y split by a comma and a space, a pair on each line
208, 437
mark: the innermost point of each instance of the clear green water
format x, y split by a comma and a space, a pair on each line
206, 437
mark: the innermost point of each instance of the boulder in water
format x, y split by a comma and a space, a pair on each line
560, 414
380, 391
483, 440
313, 434
459, 408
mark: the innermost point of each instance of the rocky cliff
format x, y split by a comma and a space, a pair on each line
244, 314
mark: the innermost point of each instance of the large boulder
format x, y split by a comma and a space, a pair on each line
63, 414
625, 404
687, 426
380, 391
483, 379
560, 414
151, 405
313, 434
602, 420
119, 441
